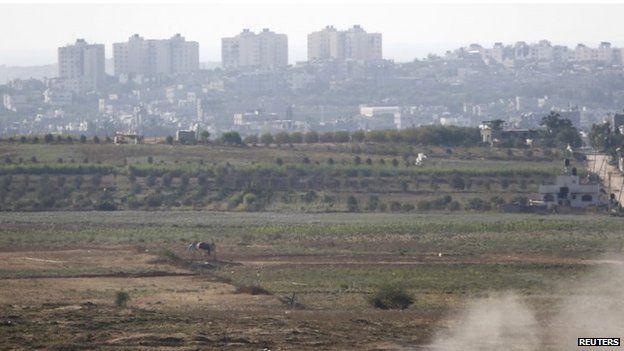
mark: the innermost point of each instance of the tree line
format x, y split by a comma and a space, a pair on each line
426, 135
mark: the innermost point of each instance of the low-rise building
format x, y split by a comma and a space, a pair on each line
567, 191
186, 136
493, 133
126, 138
256, 117
56, 97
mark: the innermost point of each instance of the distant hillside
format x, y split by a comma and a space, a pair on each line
24, 72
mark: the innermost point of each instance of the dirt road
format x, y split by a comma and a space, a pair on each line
610, 177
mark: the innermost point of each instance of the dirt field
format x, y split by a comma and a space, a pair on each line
67, 296
275, 284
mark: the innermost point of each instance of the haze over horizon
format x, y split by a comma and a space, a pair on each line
409, 30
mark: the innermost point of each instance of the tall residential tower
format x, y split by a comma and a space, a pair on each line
81, 66
249, 50
352, 44
153, 57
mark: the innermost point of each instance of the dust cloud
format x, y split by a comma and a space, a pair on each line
590, 306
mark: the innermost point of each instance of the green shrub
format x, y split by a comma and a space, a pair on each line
391, 297
407, 207
454, 206
478, 204
266, 139
457, 182
352, 204
106, 206
373, 203
249, 199
121, 299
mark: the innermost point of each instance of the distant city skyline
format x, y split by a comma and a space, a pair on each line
30, 34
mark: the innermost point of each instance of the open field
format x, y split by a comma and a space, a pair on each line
312, 273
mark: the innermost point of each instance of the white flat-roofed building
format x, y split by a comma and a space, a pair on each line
568, 191
372, 111
254, 117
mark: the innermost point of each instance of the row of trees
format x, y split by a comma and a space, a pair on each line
428, 135
57, 139
558, 132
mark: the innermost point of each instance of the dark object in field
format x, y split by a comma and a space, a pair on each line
207, 248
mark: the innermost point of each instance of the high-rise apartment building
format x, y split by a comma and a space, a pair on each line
326, 44
266, 49
352, 44
81, 66
153, 57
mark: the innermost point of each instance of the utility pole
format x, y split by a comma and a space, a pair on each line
621, 188
609, 192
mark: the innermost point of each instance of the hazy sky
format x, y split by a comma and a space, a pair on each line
30, 33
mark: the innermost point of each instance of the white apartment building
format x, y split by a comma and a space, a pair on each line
326, 44
81, 66
266, 49
352, 44
153, 57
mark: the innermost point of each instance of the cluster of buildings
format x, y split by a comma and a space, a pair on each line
259, 121
268, 50
543, 51
81, 66
157, 87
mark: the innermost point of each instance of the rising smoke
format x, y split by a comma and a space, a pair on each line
591, 306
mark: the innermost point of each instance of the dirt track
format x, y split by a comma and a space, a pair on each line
610, 176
